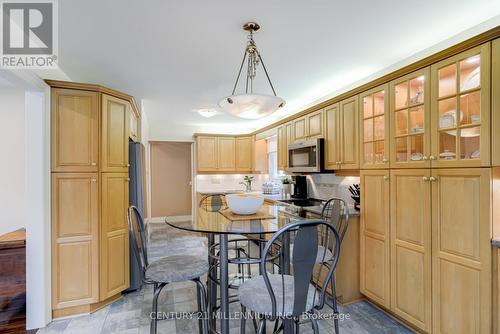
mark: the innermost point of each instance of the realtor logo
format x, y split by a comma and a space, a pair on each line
29, 34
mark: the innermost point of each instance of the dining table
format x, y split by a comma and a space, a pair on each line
218, 228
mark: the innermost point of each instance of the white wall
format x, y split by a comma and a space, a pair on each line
12, 168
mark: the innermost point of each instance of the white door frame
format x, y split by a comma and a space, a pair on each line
37, 200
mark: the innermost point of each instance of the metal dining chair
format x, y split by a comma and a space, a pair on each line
168, 269
217, 203
290, 297
335, 212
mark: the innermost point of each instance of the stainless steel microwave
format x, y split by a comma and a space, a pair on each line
305, 156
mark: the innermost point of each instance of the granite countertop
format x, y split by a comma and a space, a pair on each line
313, 209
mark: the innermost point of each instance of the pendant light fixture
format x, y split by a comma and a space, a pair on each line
250, 105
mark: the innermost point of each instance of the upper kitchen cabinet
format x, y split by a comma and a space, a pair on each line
495, 98
374, 143
207, 153
410, 138
349, 139
460, 109
115, 133
341, 149
310, 126
75, 131
332, 136
244, 153
282, 147
226, 154
300, 128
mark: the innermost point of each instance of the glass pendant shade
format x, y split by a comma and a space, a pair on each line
251, 106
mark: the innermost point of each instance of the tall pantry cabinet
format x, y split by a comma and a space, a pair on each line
426, 216
90, 129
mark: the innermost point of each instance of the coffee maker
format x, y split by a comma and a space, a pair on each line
299, 186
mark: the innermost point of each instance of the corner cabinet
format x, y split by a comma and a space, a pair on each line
115, 133
342, 141
74, 130
114, 245
460, 109
90, 184
374, 233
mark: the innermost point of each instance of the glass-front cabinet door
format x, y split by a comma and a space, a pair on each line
460, 88
410, 121
374, 134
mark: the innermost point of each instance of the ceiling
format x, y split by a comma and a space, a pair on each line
176, 56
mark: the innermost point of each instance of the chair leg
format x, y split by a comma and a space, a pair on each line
202, 307
262, 326
154, 311
243, 322
297, 326
315, 326
334, 304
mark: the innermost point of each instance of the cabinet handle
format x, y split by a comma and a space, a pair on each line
127, 179
424, 157
128, 165
385, 160
433, 179
93, 163
93, 180
432, 157
386, 177
425, 178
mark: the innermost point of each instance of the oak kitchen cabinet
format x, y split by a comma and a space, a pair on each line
441, 246
224, 153
495, 100
374, 134
410, 130
310, 126
134, 125
286, 136
460, 109
374, 234
342, 140
90, 252
410, 236
244, 153
75, 131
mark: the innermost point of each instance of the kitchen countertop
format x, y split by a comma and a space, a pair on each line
495, 242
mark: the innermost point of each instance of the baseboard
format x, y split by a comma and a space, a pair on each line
156, 220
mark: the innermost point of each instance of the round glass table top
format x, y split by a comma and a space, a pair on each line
217, 223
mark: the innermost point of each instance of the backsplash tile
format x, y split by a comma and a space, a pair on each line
326, 186
225, 182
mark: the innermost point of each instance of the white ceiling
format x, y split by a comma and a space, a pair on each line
175, 56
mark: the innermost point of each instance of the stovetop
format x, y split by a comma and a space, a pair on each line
295, 206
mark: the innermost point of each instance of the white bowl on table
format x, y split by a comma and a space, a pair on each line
245, 203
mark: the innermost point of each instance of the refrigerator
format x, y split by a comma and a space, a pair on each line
136, 199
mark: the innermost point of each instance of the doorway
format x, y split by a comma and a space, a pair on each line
171, 179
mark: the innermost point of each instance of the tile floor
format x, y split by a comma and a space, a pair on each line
130, 314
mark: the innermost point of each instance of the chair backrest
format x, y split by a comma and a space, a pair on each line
213, 202
336, 212
303, 260
137, 234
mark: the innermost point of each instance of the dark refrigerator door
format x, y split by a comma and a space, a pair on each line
135, 198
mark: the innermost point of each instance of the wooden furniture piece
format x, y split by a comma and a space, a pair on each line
90, 183
221, 153
410, 138
374, 236
342, 141
495, 102
460, 109
13, 282
374, 134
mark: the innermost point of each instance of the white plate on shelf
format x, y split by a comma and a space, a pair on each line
472, 80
